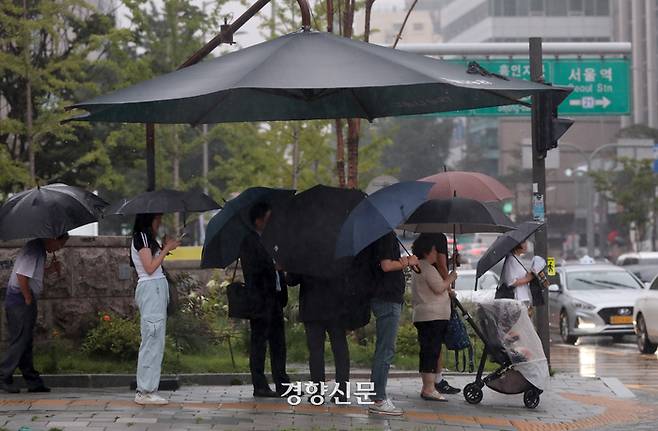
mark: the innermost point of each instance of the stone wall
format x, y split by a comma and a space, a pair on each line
96, 278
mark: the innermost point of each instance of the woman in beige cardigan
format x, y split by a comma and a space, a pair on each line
431, 302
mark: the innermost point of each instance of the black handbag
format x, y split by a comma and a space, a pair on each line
504, 290
174, 300
242, 300
456, 338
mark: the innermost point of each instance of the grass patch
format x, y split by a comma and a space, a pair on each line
216, 359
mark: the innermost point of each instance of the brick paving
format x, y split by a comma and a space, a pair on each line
571, 403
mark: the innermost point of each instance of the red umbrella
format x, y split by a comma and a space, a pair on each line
470, 185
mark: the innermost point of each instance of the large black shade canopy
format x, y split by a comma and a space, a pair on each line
310, 75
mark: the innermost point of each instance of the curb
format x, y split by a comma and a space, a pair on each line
96, 381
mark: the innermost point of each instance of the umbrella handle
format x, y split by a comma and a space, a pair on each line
416, 269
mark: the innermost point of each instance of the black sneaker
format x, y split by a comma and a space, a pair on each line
443, 387
265, 393
9, 388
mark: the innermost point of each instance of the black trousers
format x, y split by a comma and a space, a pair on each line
315, 338
21, 320
266, 331
430, 338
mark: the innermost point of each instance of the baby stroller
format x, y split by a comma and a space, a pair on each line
510, 341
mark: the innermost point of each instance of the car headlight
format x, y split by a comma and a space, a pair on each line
582, 305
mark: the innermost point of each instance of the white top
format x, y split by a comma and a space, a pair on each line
429, 293
512, 272
29, 263
140, 241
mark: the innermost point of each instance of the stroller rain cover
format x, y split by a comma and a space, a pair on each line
515, 332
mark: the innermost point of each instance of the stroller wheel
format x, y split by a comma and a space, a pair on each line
473, 393
531, 398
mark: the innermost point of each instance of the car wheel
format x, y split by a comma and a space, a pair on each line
564, 329
643, 342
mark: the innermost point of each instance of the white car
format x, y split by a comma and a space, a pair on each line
645, 319
640, 258
465, 286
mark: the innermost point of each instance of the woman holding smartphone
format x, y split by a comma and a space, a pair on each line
151, 297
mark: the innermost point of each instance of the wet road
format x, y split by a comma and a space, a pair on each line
601, 357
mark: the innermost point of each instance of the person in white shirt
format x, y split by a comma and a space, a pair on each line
151, 297
515, 275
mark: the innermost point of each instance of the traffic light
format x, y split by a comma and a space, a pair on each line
551, 127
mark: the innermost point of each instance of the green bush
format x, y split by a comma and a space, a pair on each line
114, 337
407, 342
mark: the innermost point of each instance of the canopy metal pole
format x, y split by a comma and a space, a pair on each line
225, 36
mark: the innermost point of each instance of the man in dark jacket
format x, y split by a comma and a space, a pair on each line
321, 302
267, 326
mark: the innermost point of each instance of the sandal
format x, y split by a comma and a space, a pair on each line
434, 396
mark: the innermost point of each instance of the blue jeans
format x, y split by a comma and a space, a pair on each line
387, 322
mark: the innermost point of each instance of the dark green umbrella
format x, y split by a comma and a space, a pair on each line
228, 227
310, 75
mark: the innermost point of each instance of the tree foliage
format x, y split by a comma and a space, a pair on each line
420, 146
633, 187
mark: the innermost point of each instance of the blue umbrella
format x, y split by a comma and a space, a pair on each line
379, 214
228, 227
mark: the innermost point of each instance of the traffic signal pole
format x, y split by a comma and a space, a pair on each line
540, 118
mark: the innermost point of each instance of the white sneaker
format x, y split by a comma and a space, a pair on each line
150, 399
386, 407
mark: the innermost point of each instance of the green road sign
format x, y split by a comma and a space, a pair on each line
601, 86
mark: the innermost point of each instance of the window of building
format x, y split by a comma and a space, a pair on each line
497, 7
603, 7
522, 8
536, 7
575, 7
589, 8
556, 8
509, 7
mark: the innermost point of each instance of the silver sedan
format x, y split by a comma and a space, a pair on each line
593, 300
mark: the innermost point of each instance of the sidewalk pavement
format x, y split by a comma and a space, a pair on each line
570, 403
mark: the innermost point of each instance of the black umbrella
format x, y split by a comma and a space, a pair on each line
504, 245
310, 75
230, 225
162, 202
458, 215
379, 214
302, 235
48, 212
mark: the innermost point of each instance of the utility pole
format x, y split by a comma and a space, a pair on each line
539, 183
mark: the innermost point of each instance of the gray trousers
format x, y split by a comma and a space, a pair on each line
152, 297
21, 320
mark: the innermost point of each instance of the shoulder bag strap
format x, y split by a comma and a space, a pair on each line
235, 270
517, 259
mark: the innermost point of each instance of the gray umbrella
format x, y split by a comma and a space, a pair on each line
310, 75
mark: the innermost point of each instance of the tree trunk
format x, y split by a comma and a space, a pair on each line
295, 156
175, 170
366, 32
330, 16
28, 102
353, 132
340, 154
